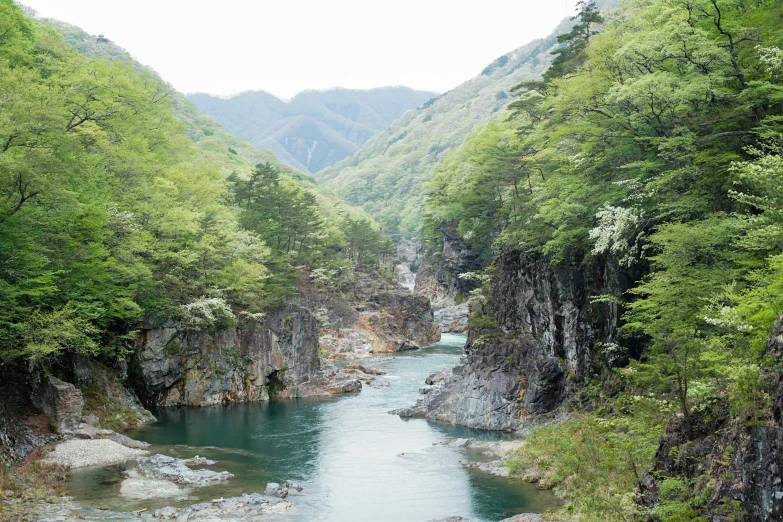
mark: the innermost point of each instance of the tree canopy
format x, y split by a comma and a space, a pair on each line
115, 203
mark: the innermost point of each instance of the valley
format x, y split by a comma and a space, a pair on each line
552, 292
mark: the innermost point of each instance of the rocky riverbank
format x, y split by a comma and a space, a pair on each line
157, 477
243, 362
369, 315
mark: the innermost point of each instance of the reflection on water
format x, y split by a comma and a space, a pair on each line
354, 459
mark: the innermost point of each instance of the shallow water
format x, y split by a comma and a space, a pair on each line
355, 461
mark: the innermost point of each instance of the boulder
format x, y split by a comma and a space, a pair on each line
62, 402
273, 489
253, 507
163, 467
293, 485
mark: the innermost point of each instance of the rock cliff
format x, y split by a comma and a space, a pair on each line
369, 315
537, 336
275, 355
438, 277
738, 464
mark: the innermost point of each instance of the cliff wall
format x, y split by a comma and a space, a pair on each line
539, 335
275, 355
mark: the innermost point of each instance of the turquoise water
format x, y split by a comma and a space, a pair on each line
355, 461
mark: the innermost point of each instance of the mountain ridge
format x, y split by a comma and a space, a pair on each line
387, 174
315, 128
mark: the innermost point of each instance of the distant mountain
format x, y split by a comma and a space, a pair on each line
386, 176
225, 150
316, 128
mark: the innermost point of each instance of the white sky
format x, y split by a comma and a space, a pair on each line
286, 46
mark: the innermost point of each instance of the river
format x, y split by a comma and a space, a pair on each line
355, 460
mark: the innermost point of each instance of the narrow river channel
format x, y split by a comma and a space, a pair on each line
355, 461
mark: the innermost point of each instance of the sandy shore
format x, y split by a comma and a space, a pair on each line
80, 453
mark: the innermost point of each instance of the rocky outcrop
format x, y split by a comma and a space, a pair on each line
553, 303
498, 384
534, 340
161, 476
342, 344
367, 375
737, 464
438, 278
327, 381
365, 314
381, 317
62, 402
253, 507
404, 320
107, 398
274, 355
453, 319
410, 255
37, 410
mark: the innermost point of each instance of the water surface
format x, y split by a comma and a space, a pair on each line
355, 461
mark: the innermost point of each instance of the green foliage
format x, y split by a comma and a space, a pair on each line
386, 176
651, 148
595, 460
114, 203
573, 54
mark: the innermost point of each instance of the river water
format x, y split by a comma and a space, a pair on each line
355, 460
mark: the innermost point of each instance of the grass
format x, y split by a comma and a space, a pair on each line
25, 486
594, 461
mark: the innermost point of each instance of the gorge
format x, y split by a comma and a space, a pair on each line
550, 293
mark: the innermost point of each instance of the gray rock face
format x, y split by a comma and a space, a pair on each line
496, 386
407, 319
242, 363
327, 381
546, 329
62, 402
438, 377
109, 383
164, 468
253, 507
454, 318
553, 304
439, 279
411, 259
345, 344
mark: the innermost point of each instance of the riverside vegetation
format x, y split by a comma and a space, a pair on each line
622, 217
648, 159
120, 203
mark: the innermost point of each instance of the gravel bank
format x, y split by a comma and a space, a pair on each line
80, 453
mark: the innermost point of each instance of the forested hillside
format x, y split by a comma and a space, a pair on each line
119, 200
643, 173
315, 128
385, 177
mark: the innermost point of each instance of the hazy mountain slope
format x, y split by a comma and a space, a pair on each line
386, 176
228, 151
316, 128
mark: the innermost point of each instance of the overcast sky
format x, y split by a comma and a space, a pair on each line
286, 46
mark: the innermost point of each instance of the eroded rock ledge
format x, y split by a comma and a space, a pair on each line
274, 355
497, 385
